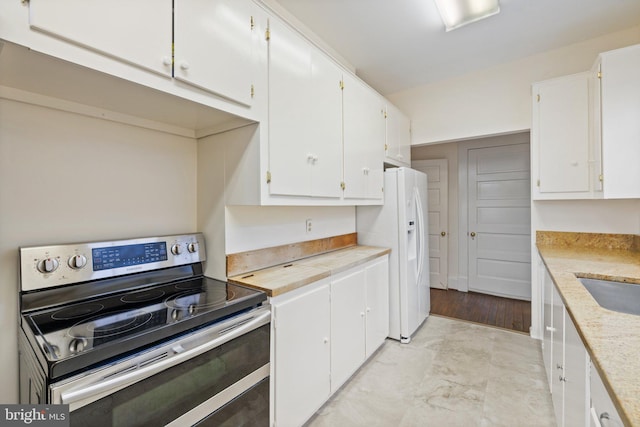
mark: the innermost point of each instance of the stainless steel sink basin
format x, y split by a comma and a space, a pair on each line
616, 296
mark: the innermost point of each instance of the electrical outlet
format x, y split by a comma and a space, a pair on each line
308, 225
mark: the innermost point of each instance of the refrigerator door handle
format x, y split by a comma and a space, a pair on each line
421, 234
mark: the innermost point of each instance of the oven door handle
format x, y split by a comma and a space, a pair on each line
107, 385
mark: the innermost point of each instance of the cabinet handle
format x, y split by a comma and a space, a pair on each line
558, 366
550, 329
325, 340
184, 65
166, 60
562, 379
368, 309
362, 314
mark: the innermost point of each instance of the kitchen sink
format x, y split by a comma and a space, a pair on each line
616, 296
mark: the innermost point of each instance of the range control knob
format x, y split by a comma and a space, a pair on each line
77, 262
77, 345
48, 265
192, 247
176, 249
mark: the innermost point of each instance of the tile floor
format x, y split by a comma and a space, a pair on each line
453, 373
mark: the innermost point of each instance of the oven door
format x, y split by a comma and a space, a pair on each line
215, 376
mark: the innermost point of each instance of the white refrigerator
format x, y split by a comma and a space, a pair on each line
401, 224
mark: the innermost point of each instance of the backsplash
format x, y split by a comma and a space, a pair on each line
589, 240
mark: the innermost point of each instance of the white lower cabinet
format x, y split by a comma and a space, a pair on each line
602, 412
568, 371
579, 396
575, 377
347, 326
322, 333
359, 318
301, 355
377, 305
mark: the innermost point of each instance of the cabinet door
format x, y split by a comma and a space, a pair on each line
398, 137
324, 108
561, 136
138, 32
548, 332
364, 137
603, 411
377, 305
620, 109
557, 365
305, 118
214, 46
289, 85
347, 326
301, 356
576, 371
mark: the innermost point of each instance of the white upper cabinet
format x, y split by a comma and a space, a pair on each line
364, 138
561, 154
214, 48
398, 137
305, 117
585, 134
616, 123
138, 32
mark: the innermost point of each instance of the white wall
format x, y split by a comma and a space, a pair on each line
257, 227
65, 178
495, 100
589, 216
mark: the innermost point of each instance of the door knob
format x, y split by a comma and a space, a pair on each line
472, 234
443, 233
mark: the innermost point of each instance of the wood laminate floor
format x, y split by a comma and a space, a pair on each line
481, 308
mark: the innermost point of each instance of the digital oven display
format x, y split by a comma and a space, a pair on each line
128, 255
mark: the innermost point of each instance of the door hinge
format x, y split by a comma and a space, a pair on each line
538, 183
253, 91
343, 185
267, 33
386, 147
268, 177
600, 178
341, 84
538, 97
385, 114
253, 23
599, 74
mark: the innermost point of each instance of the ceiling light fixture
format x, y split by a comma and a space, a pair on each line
457, 13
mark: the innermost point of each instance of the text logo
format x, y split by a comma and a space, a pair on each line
34, 415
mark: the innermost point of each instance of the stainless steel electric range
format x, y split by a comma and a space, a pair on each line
131, 333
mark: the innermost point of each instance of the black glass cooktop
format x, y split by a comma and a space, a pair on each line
84, 333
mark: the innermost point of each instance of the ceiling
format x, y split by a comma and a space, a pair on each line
399, 44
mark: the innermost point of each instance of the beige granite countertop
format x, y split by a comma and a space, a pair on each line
612, 339
286, 277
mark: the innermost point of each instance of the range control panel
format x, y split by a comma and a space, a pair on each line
49, 266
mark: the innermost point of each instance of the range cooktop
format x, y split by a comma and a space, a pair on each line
80, 334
